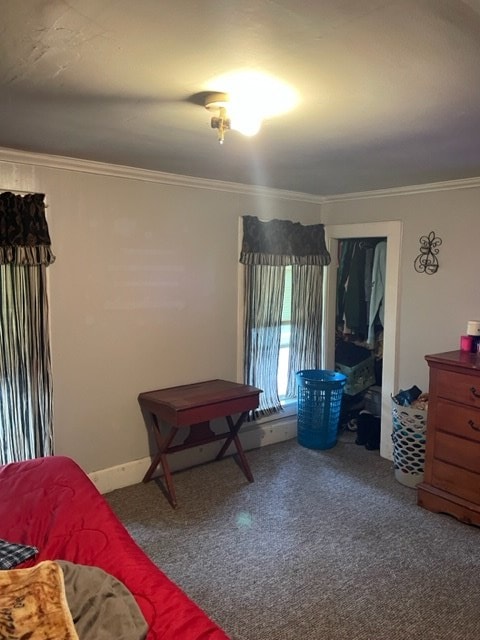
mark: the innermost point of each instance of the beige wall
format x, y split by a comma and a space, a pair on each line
144, 290
433, 309
143, 293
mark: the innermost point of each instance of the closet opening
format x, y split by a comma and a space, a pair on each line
392, 231
359, 335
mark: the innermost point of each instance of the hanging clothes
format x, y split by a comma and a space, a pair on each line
345, 249
369, 252
355, 306
378, 290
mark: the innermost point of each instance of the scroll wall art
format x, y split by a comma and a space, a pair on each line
427, 261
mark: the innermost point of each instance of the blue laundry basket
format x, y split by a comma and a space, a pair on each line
319, 398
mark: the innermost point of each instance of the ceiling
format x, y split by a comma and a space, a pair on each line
389, 90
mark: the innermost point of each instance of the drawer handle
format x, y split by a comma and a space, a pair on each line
474, 392
472, 424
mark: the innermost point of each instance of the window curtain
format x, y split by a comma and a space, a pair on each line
267, 248
26, 428
307, 306
263, 317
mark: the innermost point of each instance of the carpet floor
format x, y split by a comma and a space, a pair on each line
323, 545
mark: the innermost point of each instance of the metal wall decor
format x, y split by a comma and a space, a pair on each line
427, 261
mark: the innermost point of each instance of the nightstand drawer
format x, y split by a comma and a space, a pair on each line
458, 451
459, 387
458, 482
458, 419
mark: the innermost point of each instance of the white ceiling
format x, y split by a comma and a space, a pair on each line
389, 89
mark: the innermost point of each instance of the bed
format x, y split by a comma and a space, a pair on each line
52, 505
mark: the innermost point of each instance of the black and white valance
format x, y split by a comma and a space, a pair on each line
282, 243
24, 237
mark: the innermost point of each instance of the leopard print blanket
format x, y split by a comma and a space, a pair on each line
33, 604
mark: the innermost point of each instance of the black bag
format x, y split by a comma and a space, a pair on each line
368, 431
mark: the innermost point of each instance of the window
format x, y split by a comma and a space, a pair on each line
283, 269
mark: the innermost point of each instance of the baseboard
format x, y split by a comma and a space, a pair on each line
252, 436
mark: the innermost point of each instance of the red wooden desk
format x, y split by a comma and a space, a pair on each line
194, 405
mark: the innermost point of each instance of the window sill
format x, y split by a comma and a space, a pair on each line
289, 411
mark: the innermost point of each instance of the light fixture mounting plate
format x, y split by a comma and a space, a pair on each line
215, 101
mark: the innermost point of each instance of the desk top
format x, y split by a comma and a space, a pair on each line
200, 401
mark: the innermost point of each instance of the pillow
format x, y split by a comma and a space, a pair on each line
13, 553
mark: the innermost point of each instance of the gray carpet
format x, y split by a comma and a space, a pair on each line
324, 544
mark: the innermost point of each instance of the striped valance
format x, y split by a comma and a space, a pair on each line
24, 237
282, 242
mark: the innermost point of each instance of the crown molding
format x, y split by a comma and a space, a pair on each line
147, 175
171, 179
463, 183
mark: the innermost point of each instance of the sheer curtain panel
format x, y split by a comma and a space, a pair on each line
26, 427
262, 332
307, 306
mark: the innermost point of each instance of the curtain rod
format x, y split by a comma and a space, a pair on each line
18, 191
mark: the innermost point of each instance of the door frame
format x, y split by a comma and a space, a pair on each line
392, 231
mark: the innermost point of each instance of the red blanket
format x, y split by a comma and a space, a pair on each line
51, 503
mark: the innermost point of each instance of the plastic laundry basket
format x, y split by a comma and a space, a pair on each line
409, 439
319, 398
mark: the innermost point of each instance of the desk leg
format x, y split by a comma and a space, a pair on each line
163, 444
233, 437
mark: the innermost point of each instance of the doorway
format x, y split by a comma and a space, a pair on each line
392, 231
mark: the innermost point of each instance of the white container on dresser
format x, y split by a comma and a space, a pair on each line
452, 456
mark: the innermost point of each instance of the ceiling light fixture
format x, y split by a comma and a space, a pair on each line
250, 98
216, 103
232, 114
